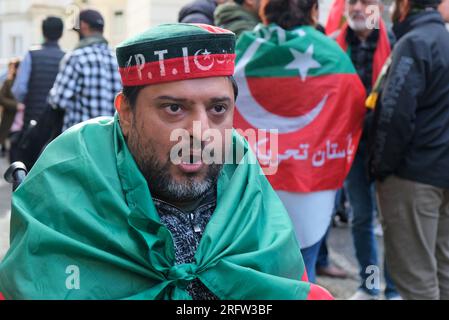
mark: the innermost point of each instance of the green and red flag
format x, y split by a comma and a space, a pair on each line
300, 83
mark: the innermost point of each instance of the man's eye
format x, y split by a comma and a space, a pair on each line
173, 108
219, 109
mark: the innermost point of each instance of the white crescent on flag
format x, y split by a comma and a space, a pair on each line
257, 115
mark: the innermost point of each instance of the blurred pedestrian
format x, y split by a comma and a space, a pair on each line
88, 78
238, 15
294, 79
364, 37
36, 76
409, 153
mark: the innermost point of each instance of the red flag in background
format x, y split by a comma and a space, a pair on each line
300, 83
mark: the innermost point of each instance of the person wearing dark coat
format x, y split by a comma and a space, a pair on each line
409, 152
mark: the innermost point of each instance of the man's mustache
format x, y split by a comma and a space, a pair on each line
357, 15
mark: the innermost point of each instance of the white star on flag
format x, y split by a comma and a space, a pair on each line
206, 54
303, 62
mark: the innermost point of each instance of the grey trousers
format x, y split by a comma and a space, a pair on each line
415, 220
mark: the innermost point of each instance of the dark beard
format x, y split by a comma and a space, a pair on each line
159, 180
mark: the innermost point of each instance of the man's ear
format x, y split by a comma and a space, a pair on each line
314, 15
125, 112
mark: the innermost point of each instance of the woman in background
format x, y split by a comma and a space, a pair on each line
8, 104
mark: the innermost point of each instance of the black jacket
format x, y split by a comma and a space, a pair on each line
199, 11
410, 133
44, 69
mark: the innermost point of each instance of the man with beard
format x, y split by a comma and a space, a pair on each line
113, 209
409, 153
365, 39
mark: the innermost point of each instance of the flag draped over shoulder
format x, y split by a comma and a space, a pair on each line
301, 83
84, 227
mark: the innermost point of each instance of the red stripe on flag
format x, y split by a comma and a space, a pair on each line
319, 293
304, 277
178, 69
211, 29
333, 125
287, 102
335, 18
2, 297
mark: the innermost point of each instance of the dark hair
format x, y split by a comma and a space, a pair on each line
239, 1
287, 14
132, 92
96, 27
423, 4
52, 28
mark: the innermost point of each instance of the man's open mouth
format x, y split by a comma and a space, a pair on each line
191, 163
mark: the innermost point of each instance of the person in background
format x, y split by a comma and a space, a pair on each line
8, 104
287, 55
199, 11
138, 219
238, 15
366, 41
409, 152
36, 76
88, 78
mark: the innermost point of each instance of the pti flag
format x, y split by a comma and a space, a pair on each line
300, 83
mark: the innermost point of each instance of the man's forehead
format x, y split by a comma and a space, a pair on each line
215, 88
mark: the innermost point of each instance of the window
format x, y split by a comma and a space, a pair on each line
16, 45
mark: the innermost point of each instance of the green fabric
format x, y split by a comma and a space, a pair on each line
272, 57
86, 204
234, 17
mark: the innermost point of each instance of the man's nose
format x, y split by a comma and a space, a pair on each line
358, 6
199, 124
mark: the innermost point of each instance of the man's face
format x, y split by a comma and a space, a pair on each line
162, 108
443, 8
357, 14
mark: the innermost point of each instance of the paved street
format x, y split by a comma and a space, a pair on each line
341, 250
